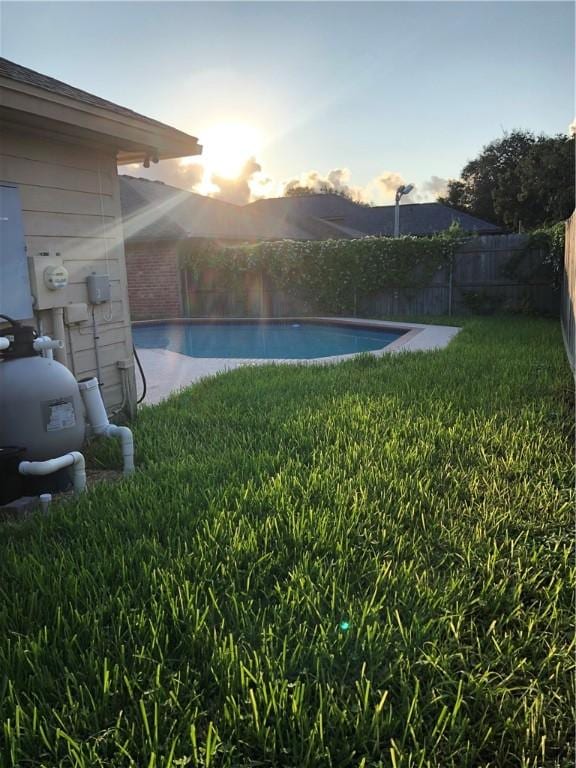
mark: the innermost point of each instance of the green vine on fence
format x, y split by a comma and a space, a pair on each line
333, 274
550, 242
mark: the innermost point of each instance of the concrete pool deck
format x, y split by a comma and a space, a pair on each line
168, 372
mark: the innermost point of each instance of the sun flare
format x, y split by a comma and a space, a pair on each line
226, 149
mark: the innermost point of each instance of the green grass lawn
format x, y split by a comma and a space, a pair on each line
366, 564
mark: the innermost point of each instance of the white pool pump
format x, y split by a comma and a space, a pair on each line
44, 411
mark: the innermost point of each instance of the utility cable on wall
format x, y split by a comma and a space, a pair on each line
143, 395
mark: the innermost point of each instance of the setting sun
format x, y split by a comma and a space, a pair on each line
226, 149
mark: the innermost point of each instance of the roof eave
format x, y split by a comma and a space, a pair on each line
135, 139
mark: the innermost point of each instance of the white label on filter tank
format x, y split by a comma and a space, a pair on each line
59, 415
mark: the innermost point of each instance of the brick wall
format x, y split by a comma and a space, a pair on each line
153, 280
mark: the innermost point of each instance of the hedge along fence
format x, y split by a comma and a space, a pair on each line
375, 276
331, 276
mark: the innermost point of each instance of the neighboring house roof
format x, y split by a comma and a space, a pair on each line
153, 210
419, 219
32, 98
415, 219
322, 205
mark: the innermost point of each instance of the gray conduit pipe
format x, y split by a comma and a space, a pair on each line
98, 419
95, 338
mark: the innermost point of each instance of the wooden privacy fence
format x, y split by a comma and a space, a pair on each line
489, 273
568, 300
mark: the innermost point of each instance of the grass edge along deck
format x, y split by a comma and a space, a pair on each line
168, 371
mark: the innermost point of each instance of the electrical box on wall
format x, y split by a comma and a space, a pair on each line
48, 280
76, 313
98, 288
15, 295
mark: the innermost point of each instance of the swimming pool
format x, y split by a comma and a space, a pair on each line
256, 340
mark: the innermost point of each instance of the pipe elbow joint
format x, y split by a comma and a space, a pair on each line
79, 471
73, 459
127, 444
98, 419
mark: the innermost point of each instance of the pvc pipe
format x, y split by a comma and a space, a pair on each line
73, 459
4, 343
127, 443
60, 333
46, 345
95, 409
45, 501
98, 419
45, 342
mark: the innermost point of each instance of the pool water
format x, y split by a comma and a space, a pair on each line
262, 341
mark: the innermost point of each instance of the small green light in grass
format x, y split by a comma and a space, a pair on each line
344, 626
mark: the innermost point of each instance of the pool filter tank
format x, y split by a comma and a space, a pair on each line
42, 421
44, 414
41, 408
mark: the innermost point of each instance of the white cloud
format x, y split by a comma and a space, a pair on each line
187, 175
387, 183
337, 180
253, 184
236, 190
190, 174
429, 190
572, 128
380, 190
262, 186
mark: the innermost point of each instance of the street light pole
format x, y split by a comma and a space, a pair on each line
402, 190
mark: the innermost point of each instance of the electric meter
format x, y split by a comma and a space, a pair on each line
55, 277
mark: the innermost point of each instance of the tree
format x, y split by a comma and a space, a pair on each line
520, 181
547, 179
324, 189
301, 191
304, 191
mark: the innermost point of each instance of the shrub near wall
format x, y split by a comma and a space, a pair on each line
331, 274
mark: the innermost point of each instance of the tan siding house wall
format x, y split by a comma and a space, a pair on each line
71, 205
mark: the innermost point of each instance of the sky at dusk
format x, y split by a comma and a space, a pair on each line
359, 96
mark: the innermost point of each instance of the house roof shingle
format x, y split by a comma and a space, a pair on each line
156, 211
153, 210
415, 218
20, 74
419, 219
137, 133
